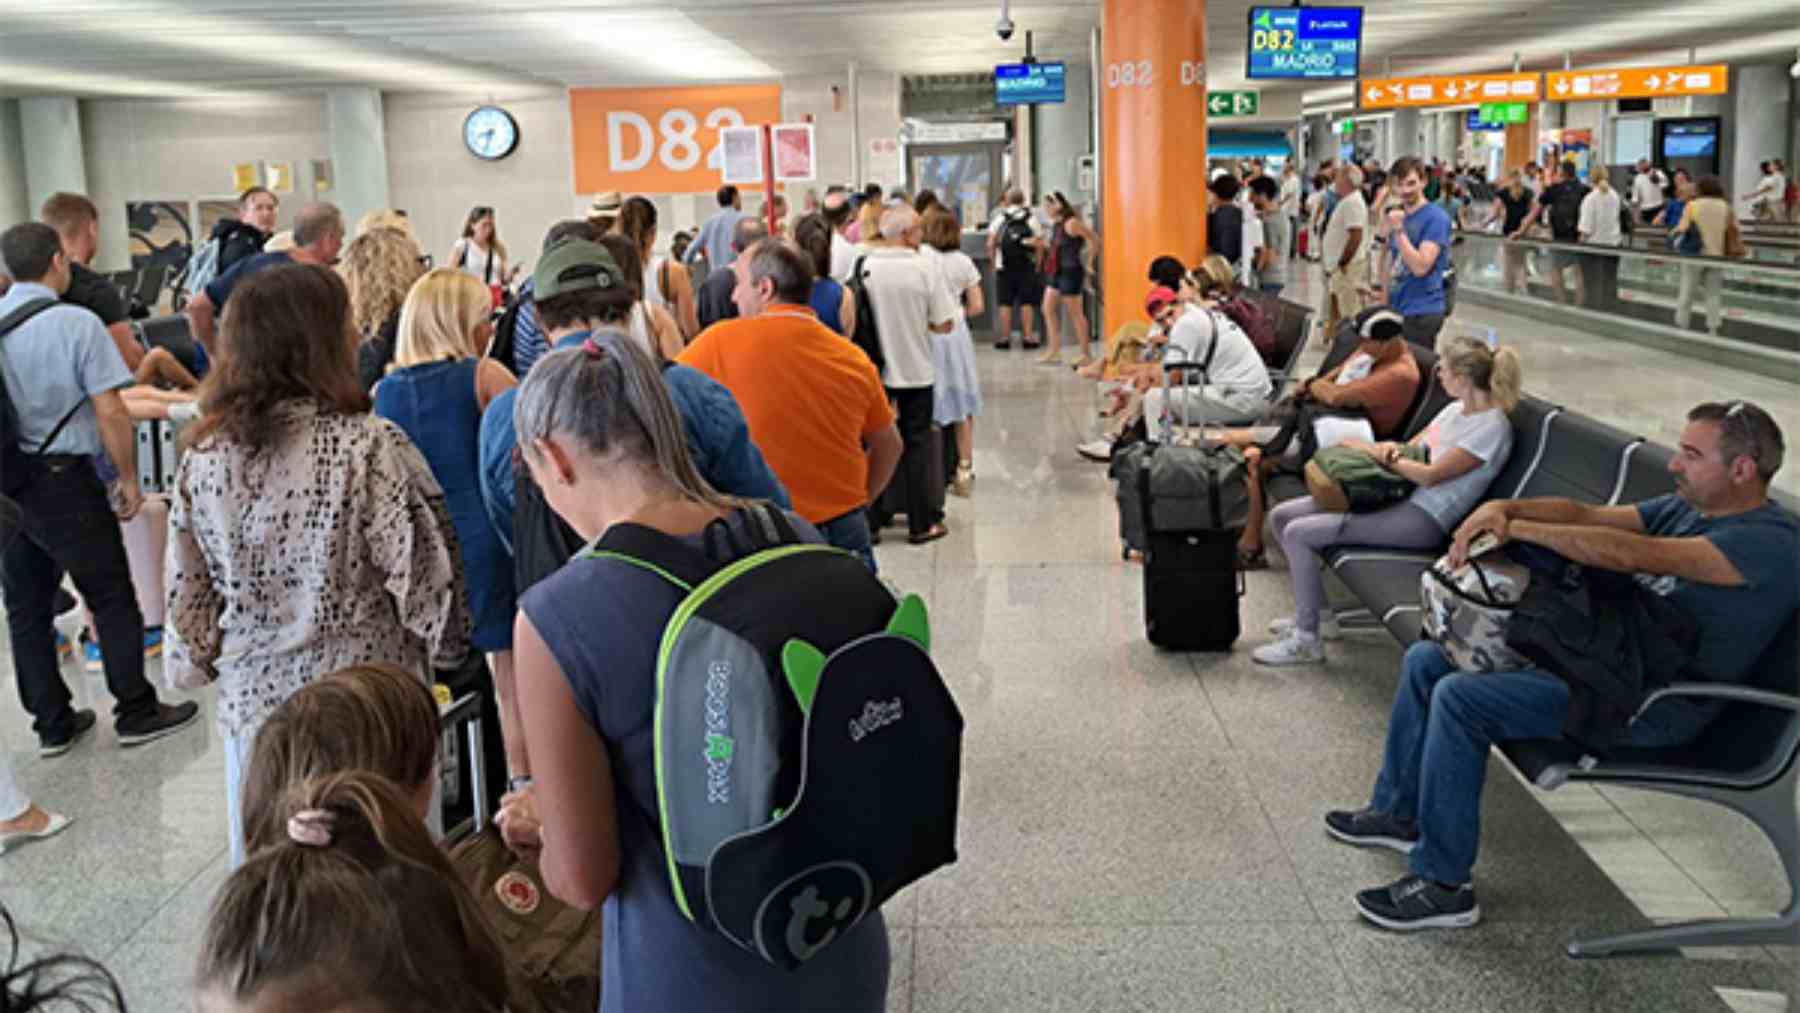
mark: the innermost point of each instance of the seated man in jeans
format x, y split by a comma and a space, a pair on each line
1717, 547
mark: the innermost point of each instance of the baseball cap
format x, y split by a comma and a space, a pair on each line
1382, 325
576, 264
1160, 296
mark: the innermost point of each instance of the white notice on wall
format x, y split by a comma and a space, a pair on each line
883, 162
743, 157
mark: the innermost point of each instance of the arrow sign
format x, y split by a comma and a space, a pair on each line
1562, 87
1232, 103
1374, 94
1451, 91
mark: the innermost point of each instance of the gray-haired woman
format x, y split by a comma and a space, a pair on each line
602, 439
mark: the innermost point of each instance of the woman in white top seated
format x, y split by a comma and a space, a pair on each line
1469, 442
480, 253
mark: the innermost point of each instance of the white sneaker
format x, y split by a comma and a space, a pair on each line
1328, 626
1292, 649
1096, 450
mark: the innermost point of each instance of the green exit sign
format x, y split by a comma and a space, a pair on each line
1504, 112
1232, 103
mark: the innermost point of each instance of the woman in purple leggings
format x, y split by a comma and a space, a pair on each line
1469, 442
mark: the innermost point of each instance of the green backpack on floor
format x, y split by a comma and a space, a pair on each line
808, 753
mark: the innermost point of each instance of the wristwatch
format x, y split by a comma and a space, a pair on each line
518, 783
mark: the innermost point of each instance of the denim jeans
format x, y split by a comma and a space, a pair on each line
1437, 749
851, 533
68, 526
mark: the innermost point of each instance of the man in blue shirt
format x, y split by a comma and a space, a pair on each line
63, 375
1418, 254
318, 238
581, 293
713, 244
1717, 548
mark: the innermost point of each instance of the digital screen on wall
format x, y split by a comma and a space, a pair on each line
1309, 43
1693, 139
1017, 84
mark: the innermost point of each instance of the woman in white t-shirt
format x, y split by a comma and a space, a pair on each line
1468, 441
1598, 225
480, 253
956, 394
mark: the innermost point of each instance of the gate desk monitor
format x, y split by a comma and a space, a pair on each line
1308, 43
1028, 83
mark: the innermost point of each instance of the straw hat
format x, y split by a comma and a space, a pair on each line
606, 206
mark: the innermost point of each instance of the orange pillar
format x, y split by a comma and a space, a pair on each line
1152, 85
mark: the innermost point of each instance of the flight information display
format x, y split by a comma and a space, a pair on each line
1028, 83
1304, 42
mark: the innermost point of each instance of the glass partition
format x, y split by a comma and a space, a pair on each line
1752, 300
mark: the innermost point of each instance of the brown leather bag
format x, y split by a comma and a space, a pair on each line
552, 949
1734, 240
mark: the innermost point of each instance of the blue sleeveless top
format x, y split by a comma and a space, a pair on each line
827, 300
602, 620
436, 406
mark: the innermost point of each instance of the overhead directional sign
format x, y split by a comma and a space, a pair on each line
1232, 103
1402, 92
1635, 82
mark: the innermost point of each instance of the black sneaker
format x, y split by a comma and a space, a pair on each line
1414, 903
166, 719
1367, 828
83, 724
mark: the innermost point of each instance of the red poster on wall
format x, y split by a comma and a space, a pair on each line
794, 153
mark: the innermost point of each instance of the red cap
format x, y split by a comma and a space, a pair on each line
1160, 296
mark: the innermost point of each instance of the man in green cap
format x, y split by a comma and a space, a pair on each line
582, 293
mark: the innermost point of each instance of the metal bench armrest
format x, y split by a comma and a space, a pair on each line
1721, 691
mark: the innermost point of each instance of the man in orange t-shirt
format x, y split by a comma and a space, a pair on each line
813, 400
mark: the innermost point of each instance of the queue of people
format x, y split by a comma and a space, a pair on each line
394, 469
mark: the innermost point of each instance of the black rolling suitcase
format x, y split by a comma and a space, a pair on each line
1190, 505
938, 447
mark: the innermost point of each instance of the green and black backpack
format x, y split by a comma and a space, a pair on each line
808, 753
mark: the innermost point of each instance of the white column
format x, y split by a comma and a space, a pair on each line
359, 168
13, 205
1403, 134
1759, 125
50, 132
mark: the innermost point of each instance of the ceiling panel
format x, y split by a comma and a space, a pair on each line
230, 47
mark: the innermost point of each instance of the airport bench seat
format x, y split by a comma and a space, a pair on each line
1744, 760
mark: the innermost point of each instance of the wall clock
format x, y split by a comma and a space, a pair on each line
490, 133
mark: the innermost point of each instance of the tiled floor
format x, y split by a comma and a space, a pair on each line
1140, 829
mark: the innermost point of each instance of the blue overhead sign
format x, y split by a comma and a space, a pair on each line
1304, 42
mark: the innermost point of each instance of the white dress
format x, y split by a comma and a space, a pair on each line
956, 393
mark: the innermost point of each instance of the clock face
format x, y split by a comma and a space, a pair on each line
490, 132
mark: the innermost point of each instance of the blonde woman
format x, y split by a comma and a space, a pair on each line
379, 268
436, 390
479, 253
385, 218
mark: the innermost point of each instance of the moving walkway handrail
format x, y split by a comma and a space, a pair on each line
1742, 264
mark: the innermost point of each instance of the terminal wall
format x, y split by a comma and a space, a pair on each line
434, 178
151, 150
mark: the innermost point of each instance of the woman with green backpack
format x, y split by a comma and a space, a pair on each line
602, 439
1465, 446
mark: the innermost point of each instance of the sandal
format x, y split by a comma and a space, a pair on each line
1252, 560
932, 534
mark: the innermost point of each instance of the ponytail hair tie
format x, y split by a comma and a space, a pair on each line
310, 828
592, 349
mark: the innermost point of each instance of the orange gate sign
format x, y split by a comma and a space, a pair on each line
660, 140
1635, 82
1463, 89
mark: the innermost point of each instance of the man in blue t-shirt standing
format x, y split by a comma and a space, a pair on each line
318, 239
1717, 548
1418, 254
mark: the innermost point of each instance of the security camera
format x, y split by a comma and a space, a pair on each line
1004, 28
